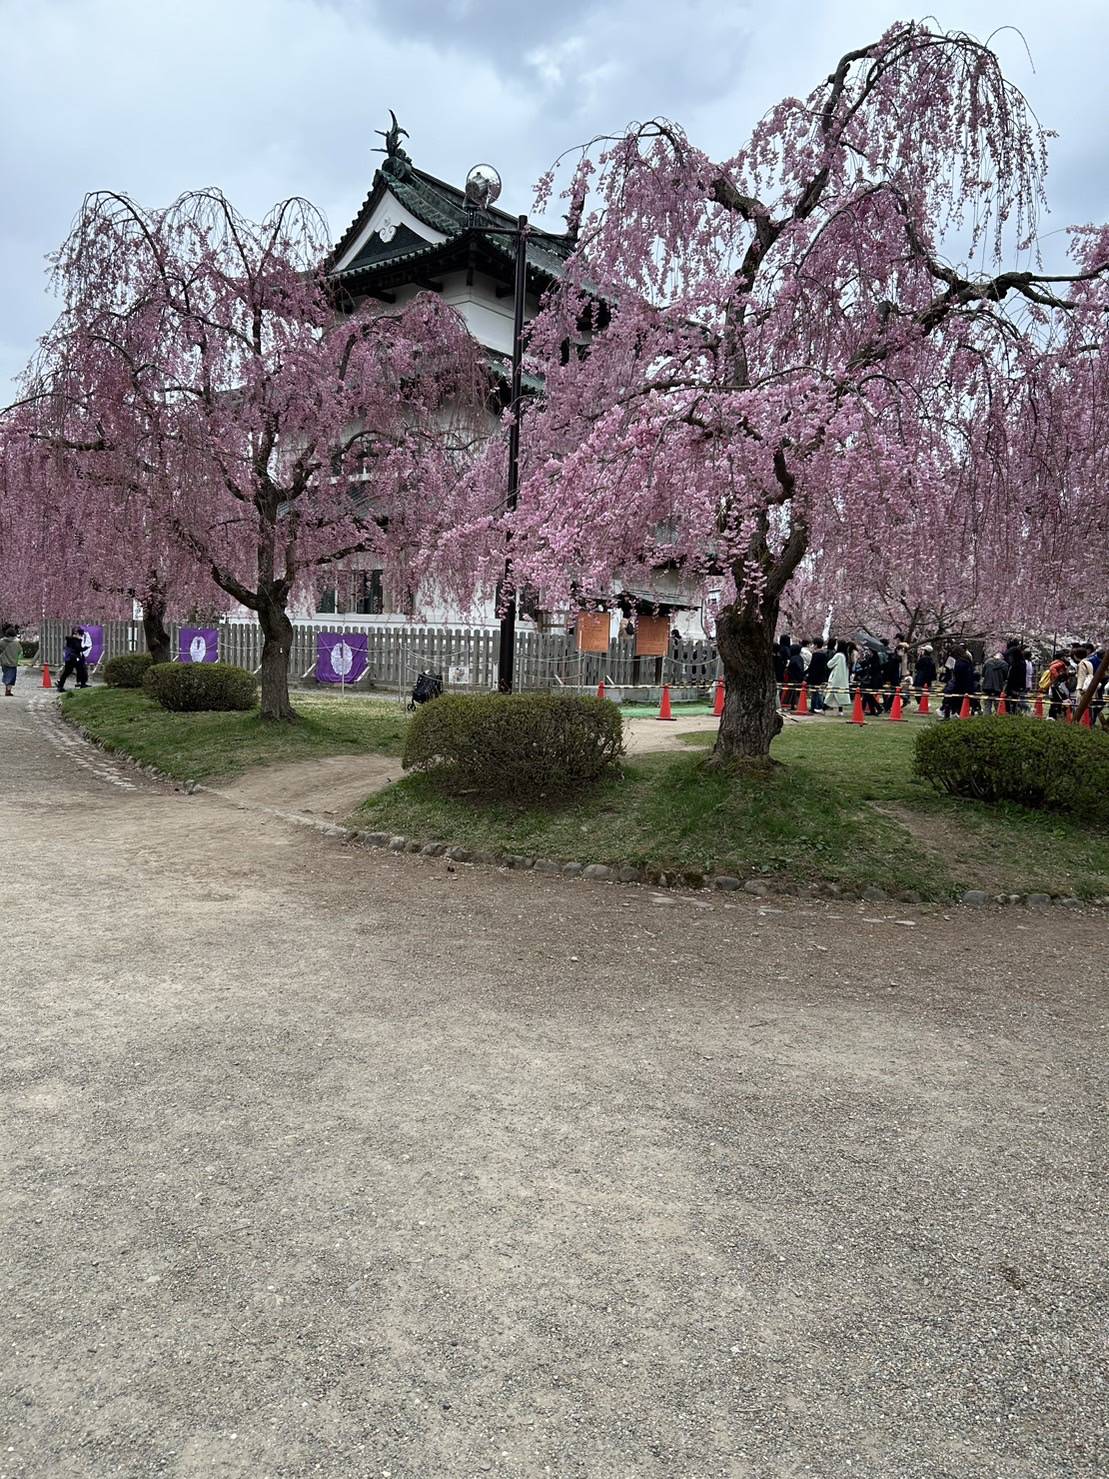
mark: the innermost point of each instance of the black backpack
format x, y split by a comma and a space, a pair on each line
428, 686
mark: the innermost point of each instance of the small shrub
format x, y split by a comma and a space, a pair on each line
517, 746
1060, 767
127, 670
187, 687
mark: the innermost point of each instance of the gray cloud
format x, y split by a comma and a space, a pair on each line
269, 98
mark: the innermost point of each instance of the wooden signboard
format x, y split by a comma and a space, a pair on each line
593, 631
652, 636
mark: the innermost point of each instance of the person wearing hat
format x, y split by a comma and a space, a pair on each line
924, 674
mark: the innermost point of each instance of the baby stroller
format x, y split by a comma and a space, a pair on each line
428, 686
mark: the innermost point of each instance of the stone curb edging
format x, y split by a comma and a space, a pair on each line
627, 873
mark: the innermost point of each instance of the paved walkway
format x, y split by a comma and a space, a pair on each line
318, 1161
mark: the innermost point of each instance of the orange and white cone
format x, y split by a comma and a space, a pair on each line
664, 707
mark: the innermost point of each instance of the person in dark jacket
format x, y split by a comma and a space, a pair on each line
819, 668
995, 675
891, 676
73, 659
1016, 683
924, 673
795, 676
960, 682
781, 657
868, 676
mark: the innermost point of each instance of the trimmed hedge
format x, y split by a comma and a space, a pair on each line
520, 746
1057, 766
127, 670
188, 687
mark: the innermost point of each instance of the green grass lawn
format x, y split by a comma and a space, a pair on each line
842, 808
204, 746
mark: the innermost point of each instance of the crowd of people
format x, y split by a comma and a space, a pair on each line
1011, 679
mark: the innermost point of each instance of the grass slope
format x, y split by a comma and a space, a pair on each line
670, 813
1000, 847
204, 746
842, 808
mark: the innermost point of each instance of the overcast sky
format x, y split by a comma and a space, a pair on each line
270, 98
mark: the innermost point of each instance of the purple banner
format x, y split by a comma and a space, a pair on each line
341, 657
92, 644
199, 644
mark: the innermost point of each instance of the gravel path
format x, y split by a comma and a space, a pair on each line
319, 1161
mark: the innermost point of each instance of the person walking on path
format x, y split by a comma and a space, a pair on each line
73, 654
995, 675
837, 691
11, 650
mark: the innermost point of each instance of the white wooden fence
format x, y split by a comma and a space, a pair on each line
466, 656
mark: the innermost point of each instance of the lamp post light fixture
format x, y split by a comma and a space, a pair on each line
483, 188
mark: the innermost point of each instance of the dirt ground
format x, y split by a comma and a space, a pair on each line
321, 1161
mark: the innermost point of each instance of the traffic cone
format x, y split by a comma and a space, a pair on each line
46, 683
857, 711
803, 700
1086, 720
718, 699
923, 708
895, 708
601, 689
964, 711
664, 707
1038, 707
1002, 706
1068, 714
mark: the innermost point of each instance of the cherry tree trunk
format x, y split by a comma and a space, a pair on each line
277, 645
154, 630
745, 639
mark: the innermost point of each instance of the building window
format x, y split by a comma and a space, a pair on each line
369, 594
327, 604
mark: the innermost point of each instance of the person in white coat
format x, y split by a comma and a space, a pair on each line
837, 690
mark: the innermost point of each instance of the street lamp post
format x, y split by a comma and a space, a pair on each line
483, 186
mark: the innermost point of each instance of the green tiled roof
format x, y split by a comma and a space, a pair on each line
441, 207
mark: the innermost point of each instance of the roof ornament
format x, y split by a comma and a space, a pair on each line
397, 160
